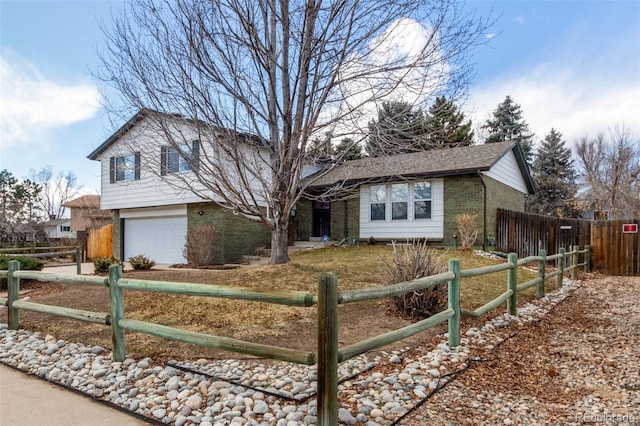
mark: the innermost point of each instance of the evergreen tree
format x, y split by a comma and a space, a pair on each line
507, 124
347, 150
555, 178
445, 125
399, 129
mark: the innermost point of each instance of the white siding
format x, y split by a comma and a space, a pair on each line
404, 229
507, 171
151, 189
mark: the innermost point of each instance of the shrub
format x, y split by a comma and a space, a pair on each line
467, 230
200, 245
141, 263
26, 264
101, 264
409, 263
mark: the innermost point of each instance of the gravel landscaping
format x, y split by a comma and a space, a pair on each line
573, 356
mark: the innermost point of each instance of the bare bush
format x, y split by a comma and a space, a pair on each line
409, 263
467, 230
199, 248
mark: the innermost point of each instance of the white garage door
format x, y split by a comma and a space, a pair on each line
161, 239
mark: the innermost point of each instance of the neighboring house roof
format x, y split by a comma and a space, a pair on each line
56, 222
433, 163
145, 112
85, 201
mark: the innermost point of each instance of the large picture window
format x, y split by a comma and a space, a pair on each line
408, 201
422, 200
180, 158
378, 202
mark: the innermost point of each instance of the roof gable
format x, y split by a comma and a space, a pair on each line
434, 163
176, 118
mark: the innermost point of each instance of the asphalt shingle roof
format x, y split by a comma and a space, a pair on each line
434, 163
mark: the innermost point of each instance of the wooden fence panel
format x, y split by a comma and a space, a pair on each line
526, 233
100, 242
615, 252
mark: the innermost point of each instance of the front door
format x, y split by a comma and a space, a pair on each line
321, 218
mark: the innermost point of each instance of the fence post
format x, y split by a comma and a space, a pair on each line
79, 260
512, 284
13, 294
587, 259
542, 271
328, 350
117, 313
574, 262
561, 267
454, 303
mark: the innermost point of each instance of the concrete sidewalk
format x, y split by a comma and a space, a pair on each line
26, 401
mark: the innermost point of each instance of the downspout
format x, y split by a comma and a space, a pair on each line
484, 212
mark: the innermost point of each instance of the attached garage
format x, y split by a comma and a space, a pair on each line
157, 233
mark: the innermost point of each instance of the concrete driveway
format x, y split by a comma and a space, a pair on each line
26, 401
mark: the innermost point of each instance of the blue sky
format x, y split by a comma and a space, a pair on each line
572, 65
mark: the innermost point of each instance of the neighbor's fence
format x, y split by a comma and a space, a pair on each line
100, 242
47, 253
328, 354
526, 233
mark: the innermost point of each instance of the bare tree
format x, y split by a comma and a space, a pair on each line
258, 80
609, 173
56, 190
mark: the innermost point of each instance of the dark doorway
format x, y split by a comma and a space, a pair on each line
321, 218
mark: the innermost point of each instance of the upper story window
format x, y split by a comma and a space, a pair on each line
181, 158
126, 167
378, 202
65, 228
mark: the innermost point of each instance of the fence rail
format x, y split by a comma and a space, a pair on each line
329, 354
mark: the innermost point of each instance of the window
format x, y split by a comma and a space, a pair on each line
422, 200
124, 168
180, 158
403, 196
65, 228
399, 200
378, 202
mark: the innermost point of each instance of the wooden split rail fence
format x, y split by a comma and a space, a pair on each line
47, 253
328, 354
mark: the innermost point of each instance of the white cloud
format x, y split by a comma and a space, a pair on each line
572, 101
31, 104
519, 19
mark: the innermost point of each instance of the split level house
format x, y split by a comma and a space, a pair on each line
394, 198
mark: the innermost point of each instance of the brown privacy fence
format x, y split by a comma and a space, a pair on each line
328, 354
615, 245
100, 242
616, 248
526, 233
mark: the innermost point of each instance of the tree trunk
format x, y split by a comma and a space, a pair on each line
279, 241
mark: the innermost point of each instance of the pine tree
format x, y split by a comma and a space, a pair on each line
555, 178
399, 129
507, 124
347, 150
445, 125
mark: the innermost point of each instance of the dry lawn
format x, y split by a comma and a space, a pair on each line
356, 268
